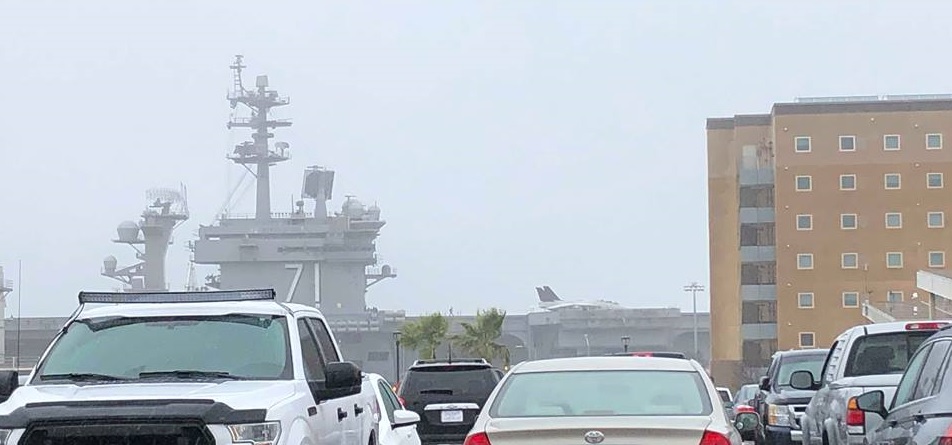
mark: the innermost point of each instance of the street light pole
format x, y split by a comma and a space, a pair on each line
396, 342
694, 288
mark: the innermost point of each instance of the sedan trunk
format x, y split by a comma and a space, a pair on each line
620, 430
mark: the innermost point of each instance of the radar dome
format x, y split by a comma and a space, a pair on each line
353, 208
128, 231
373, 213
109, 263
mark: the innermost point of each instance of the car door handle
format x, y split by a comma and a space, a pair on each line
358, 410
341, 414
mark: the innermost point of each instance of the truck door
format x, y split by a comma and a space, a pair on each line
353, 406
326, 419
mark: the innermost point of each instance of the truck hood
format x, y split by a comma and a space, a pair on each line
238, 395
881, 380
791, 396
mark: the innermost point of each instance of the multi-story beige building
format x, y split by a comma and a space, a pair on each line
815, 209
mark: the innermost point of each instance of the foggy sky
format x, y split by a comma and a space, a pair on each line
509, 144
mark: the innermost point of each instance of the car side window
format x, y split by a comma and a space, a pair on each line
929, 377
324, 338
310, 353
390, 402
906, 389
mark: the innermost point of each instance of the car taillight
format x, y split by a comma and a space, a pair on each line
477, 439
946, 438
855, 419
924, 326
714, 438
642, 354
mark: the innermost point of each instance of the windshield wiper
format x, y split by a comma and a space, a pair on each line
83, 377
190, 374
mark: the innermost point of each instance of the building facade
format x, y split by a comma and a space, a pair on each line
816, 209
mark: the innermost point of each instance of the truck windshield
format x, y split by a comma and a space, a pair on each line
884, 353
794, 363
122, 348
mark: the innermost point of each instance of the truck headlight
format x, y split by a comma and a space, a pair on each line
4, 436
254, 433
779, 415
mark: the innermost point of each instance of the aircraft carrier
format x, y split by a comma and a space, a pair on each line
314, 256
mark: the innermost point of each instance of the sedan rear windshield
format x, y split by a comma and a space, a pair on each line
884, 353
603, 393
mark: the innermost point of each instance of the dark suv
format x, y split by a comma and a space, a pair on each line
448, 396
780, 405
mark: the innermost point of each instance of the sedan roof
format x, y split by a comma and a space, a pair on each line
606, 363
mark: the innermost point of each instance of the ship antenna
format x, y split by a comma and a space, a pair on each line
19, 309
236, 67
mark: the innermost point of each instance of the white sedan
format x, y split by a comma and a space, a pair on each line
395, 425
607, 401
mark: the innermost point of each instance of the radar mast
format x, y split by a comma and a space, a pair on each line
258, 151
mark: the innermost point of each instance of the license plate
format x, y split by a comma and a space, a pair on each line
455, 416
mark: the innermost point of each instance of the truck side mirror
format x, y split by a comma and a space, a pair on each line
765, 383
802, 380
341, 379
9, 382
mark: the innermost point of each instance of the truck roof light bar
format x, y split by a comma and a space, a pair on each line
176, 297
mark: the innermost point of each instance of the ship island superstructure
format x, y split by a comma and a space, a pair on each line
307, 255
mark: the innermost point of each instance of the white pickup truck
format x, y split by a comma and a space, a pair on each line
199, 368
863, 358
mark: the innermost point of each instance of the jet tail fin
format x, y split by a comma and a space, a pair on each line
547, 295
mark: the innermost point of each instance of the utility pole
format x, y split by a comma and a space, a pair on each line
694, 288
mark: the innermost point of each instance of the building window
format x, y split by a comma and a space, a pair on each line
891, 142
804, 183
850, 299
807, 340
894, 220
847, 143
893, 181
933, 141
894, 260
894, 296
804, 222
848, 221
847, 182
849, 261
805, 300
934, 180
936, 259
753, 312
804, 261
802, 144
936, 220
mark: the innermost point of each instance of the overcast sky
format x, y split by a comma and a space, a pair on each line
509, 144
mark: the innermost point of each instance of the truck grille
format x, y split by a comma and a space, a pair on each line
117, 434
799, 410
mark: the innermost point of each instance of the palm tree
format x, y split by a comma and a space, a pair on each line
425, 334
479, 338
